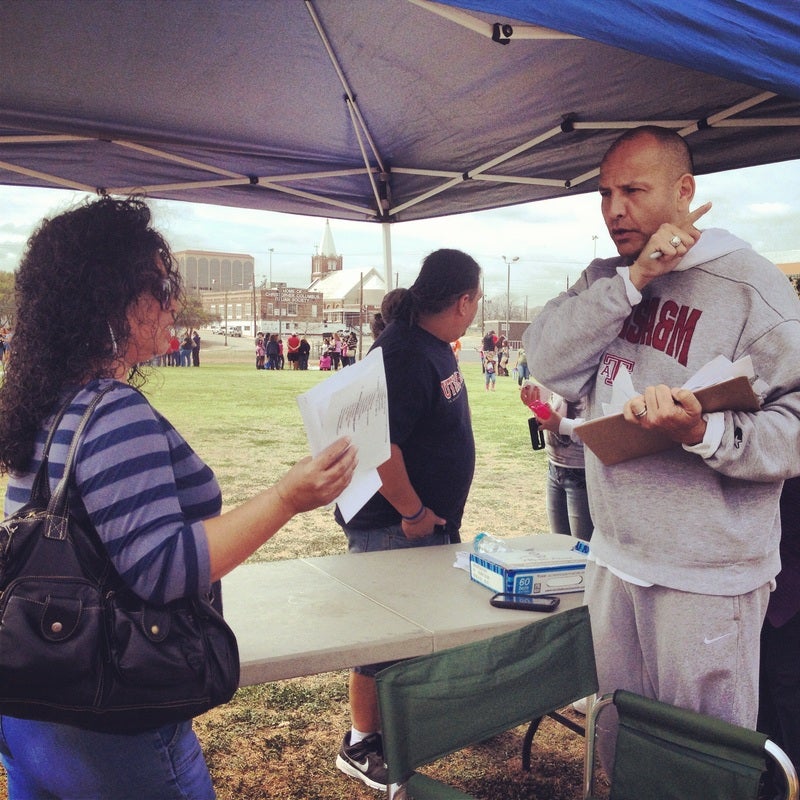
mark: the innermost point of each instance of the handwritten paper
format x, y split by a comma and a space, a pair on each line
352, 402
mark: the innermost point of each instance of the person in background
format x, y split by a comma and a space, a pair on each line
456, 347
685, 543
779, 707
488, 344
273, 351
261, 352
566, 497
426, 480
304, 351
173, 350
352, 344
293, 350
489, 371
102, 262
281, 360
523, 373
336, 350
391, 300
195, 349
186, 350
376, 325
501, 350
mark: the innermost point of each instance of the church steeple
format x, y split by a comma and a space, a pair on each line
327, 247
325, 260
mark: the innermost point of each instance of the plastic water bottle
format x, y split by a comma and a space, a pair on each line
486, 543
542, 410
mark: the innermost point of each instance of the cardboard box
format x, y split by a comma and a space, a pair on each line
613, 439
529, 571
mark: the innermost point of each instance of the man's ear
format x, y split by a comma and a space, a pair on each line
463, 301
685, 188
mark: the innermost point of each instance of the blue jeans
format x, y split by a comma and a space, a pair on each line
568, 502
46, 761
389, 538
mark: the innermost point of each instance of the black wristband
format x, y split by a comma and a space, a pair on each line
414, 517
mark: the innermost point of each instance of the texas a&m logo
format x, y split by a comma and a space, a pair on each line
662, 325
610, 367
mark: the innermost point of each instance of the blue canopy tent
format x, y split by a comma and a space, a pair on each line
383, 110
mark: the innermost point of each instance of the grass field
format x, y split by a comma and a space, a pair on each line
279, 740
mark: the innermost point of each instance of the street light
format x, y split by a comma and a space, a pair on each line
594, 240
509, 262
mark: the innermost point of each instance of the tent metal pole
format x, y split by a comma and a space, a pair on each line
387, 254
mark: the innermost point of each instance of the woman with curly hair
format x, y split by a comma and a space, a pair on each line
103, 283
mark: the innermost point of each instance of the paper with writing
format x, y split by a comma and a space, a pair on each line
352, 402
716, 371
719, 386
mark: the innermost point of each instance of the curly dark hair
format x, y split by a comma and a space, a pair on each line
80, 274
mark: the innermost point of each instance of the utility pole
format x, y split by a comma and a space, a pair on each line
509, 262
271, 250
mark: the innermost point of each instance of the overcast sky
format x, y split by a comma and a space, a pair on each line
553, 239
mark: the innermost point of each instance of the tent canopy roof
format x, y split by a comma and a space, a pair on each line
382, 110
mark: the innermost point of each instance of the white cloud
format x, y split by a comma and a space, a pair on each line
769, 209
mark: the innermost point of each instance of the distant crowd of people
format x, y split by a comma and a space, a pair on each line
337, 351
495, 354
181, 352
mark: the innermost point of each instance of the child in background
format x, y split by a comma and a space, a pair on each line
489, 370
325, 362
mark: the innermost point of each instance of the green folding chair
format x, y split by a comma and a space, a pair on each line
669, 753
440, 703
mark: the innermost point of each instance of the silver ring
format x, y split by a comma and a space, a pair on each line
675, 241
640, 413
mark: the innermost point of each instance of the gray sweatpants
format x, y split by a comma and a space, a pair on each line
696, 651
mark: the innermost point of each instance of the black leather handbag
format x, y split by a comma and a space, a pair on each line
77, 646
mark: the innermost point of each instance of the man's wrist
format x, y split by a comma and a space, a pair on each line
415, 517
633, 294
712, 436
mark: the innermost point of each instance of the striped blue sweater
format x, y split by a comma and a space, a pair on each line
143, 487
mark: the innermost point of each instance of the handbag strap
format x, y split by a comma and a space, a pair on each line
40, 491
58, 506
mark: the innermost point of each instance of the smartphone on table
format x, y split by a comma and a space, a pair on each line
526, 602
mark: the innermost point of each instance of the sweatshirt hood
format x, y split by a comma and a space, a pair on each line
713, 243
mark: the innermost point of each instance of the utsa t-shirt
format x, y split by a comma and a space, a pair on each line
429, 420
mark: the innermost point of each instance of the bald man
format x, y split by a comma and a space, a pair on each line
685, 544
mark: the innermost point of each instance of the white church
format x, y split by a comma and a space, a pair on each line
350, 296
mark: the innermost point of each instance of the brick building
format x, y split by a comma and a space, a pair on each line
231, 293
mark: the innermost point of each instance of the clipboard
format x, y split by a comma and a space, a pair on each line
613, 439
